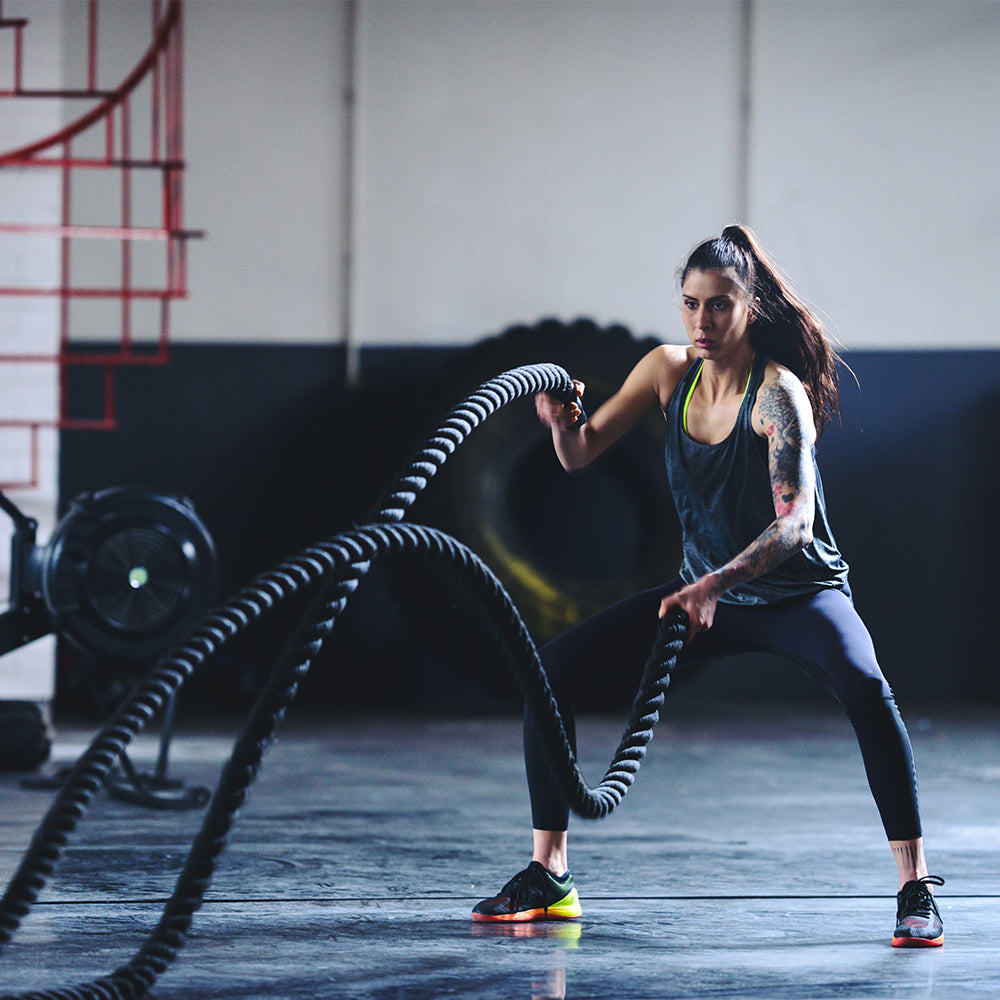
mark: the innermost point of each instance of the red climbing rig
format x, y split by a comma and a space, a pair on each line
103, 139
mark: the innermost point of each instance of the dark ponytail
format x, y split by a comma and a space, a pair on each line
785, 329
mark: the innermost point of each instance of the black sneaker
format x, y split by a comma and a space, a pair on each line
534, 894
918, 923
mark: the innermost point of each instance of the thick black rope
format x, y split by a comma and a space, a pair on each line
338, 564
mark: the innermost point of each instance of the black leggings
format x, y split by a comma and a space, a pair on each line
821, 631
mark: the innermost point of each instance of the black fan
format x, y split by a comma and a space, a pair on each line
126, 574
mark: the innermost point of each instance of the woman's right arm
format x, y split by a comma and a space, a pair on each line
650, 384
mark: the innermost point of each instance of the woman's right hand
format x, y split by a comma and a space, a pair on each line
556, 413
647, 386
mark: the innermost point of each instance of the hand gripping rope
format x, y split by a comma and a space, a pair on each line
337, 566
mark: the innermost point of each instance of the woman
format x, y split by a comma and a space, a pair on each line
744, 405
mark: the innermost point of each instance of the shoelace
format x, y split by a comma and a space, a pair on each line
918, 900
524, 885
512, 887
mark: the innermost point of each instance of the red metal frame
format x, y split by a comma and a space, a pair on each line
162, 66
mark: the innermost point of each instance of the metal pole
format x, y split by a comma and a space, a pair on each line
745, 112
352, 354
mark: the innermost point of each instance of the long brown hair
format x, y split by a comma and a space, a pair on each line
785, 329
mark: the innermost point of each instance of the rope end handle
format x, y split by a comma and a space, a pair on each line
669, 642
571, 395
672, 627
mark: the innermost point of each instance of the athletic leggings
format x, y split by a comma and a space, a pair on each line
821, 631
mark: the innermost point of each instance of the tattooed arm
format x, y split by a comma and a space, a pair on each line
782, 415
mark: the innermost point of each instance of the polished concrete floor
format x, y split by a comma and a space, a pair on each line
747, 862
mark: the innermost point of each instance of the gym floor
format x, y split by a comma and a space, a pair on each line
747, 861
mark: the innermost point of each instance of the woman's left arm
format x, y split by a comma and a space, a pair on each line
782, 415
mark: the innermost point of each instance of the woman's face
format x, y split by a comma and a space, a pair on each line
716, 314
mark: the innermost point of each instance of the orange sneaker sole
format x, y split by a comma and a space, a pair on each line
523, 916
910, 942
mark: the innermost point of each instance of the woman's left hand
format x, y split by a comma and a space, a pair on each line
697, 600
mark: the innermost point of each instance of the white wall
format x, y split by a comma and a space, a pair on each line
530, 158
524, 159
517, 159
264, 144
876, 151
29, 391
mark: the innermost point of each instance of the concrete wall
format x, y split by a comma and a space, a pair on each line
511, 160
519, 159
503, 162
29, 391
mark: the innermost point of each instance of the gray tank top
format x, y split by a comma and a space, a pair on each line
723, 497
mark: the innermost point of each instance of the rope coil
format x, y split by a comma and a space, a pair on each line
337, 567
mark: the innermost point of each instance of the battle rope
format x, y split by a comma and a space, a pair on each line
338, 565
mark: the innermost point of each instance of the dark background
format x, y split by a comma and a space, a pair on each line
276, 453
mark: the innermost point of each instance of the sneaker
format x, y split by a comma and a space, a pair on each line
533, 894
918, 923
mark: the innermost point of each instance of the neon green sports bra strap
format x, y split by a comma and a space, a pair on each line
687, 399
690, 393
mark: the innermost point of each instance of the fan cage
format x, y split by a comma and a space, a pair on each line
139, 579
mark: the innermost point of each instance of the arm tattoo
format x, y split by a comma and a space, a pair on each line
784, 419
789, 454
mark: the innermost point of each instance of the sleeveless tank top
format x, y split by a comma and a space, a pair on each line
723, 497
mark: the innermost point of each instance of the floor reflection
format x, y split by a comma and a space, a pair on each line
550, 982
